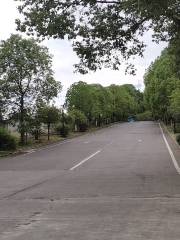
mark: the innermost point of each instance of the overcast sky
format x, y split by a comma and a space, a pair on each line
64, 58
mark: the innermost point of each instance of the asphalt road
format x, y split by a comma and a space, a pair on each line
118, 183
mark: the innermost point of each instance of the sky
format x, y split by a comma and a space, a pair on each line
64, 58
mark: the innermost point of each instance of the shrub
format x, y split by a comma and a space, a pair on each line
64, 130
7, 141
178, 138
83, 127
79, 119
145, 116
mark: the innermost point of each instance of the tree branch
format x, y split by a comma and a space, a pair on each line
104, 1
134, 27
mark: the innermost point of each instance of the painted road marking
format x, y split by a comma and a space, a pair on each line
170, 151
85, 160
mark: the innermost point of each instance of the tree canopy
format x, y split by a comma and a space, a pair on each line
26, 76
101, 30
48, 115
175, 103
162, 84
103, 104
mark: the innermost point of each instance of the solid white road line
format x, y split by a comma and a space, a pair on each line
170, 151
85, 160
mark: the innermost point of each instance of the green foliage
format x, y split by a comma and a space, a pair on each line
79, 96
63, 130
145, 116
102, 31
175, 104
25, 76
7, 141
178, 138
78, 120
161, 80
33, 125
102, 104
83, 127
48, 115
124, 102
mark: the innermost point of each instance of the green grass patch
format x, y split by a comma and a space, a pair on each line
169, 128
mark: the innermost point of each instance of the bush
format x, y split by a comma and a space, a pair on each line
7, 141
83, 127
178, 138
63, 130
145, 116
79, 119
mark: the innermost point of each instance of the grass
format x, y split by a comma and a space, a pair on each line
32, 144
43, 141
5, 153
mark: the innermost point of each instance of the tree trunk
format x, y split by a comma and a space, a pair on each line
26, 135
48, 131
36, 135
174, 126
22, 130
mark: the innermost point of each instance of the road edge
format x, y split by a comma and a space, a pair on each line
176, 165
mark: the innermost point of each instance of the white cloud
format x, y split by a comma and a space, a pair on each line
64, 58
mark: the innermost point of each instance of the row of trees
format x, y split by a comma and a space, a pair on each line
27, 88
100, 104
162, 86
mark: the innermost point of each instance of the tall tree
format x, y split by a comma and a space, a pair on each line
102, 104
78, 119
26, 76
100, 29
160, 80
79, 96
123, 102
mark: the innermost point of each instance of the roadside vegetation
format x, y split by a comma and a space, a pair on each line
87, 107
27, 91
103, 34
162, 88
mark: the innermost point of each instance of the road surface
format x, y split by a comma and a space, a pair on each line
118, 183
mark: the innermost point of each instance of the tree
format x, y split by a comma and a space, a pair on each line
34, 125
1, 112
103, 104
123, 103
100, 29
160, 81
48, 115
175, 106
79, 96
25, 76
77, 118
175, 102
